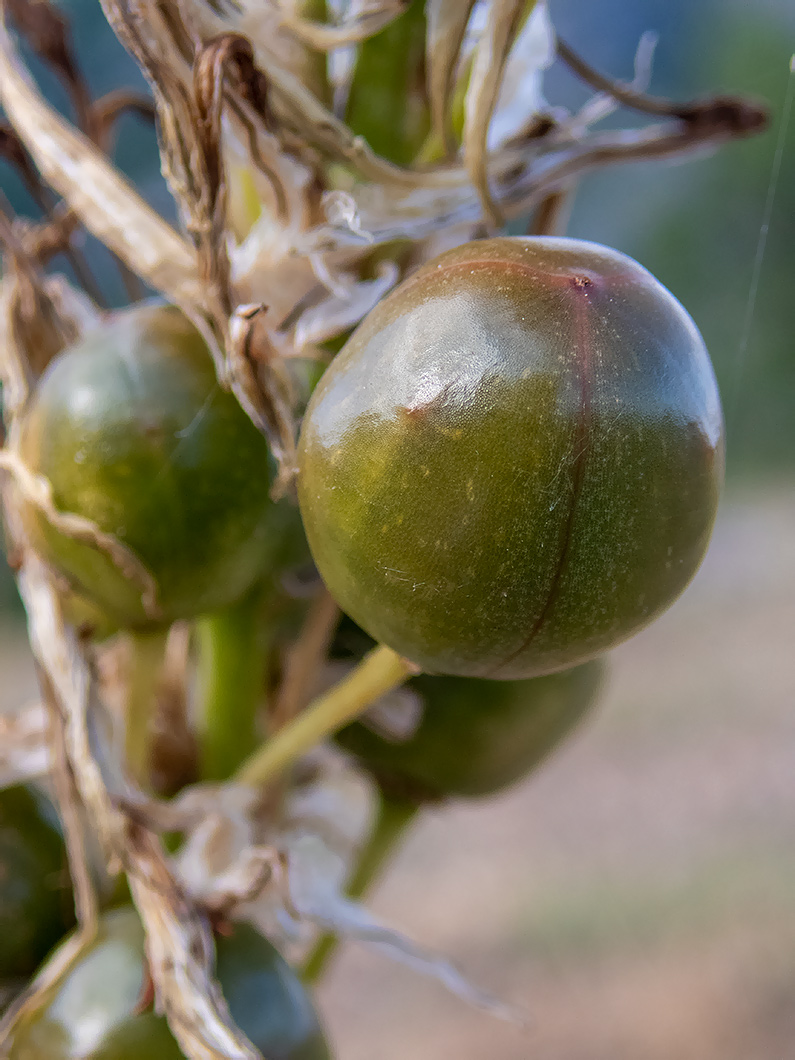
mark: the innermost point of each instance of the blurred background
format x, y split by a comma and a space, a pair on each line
637, 895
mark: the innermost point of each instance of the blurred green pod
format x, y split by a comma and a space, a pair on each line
36, 904
475, 737
133, 432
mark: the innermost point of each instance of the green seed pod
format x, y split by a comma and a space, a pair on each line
514, 463
36, 905
91, 1013
475, 737
134, 433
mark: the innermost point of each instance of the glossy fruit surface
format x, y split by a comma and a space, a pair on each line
90, 1014
515, 461
36, 906
475, 736
134, 433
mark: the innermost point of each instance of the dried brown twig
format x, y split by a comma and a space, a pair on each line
741, 117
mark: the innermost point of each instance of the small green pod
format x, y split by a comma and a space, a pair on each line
91, 1014
133, 432
36, 904
475, 736
514, 463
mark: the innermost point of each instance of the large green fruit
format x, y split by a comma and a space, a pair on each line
134, 433
36, 905
475, 737
91, 1014
514, 463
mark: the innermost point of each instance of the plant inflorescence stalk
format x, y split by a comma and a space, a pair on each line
147, 650
231, 680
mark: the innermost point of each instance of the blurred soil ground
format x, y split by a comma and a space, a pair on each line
637, 895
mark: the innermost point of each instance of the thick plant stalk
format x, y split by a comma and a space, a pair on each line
146, 652
231, 677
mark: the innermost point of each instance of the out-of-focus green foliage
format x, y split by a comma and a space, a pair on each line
706, 244
697, 227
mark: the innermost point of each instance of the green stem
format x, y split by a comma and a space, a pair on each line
386, 104
379, 671
393, 818
231, 679
146, 660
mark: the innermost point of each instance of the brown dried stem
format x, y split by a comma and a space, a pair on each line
742, 117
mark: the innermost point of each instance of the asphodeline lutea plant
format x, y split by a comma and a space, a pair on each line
340, 514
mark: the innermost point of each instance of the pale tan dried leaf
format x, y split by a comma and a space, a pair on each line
447, 23
264, 24
342, 213
503, 22
25, 753
14, 364
234, 855
39, 314
37, 491
304, 121
27, 310
189, 154
285, 187
223, 861
360, 24
106, 203
191, 140
522, 175
72, 820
